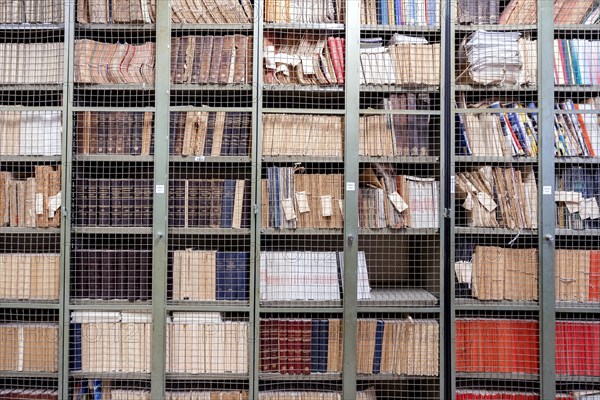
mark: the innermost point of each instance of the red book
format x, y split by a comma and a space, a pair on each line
561, 348
584, 132
283, 346
336, 59
462, 351
341, 42
594, 290
305, 342
268, 359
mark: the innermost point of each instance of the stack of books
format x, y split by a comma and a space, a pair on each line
116, 11
578, 348
577, 135
298, 11
212, 12
106, 341
31, 63
577, 198
27, 394
104, 63
499, 197
576, 62
32, 12
34, 202
29, 346
211, 59
577, 275
470, 394
209, 203
101, 132
30, 133
400, 12
210, 133
31, 276
204, 343
200, 275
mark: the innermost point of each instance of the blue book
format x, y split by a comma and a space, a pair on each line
97, 389
462, 142
227, 207
514, 122
315, 338
75, 359
575, 62
378, 347
82, 394
378, 11
398, 12
534, 115
568, 61
431, 13
323, 345
232, 276
384, 12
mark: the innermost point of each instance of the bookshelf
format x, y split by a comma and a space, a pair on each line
286, 199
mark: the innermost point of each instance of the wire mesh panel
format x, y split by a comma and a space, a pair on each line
576, 146
32, 74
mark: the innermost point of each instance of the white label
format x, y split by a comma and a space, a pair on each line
350, 186
199, 158
160, 189
288, 209
452, 183
468, 203
547, 190
486, 201
302, 202
398, 201
54, 203
326, 206
39, 203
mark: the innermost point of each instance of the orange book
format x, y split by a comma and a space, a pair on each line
584, 132
594, 285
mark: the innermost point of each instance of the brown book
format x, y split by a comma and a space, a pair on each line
179, 66
215, 60
227, 59
147, 133
83, 11
206, 58
196, 62
30, 203
249, 58
54, 185
241, 54
4, 198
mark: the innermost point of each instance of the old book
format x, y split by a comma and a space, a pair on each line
215, 59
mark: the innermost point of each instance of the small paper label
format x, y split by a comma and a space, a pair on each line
39, 203
486, 201
54, 203
452, 183
160, 189
288, 209
302, 202
547, 190
350, 186
270, 57
326, 206
588, 209
398, 201
199, 158
307, 65
468, 203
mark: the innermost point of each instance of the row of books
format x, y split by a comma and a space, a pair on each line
27, 133
299, 11
578, 348
497, 345
29, 347
577, 275
107, 341
301, 346
116, 11
577, 197
499, 197
28, 394
400, 12
121, 132
577, 134
397, 201
401, 347
104, 63
112, 202
212, 12
497, 134
31, 63
303, 59
524, 12
200, 343
405, 61
297, 200
303, 135
308, 276
32, 202
210, 133
209, 203
109, 274
470, 394
497, 58
211, 59
576, 62
29, 276
32, 12
200, 275
496, 273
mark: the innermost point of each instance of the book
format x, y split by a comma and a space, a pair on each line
46, 67
29, 346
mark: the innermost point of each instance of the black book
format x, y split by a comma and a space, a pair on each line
104, 204
82, 209
120, 131
110, 132
246, 205
102, 132
91, 190
146, 196
177, 203
127, 204
135, 133
193, 202
116, 202
210, 130
204, 203
216, 202
177, 129
105, 276
227, 141
245, 135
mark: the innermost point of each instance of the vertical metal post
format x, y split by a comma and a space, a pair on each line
161, 189
66, 181
546, 205
351, 176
